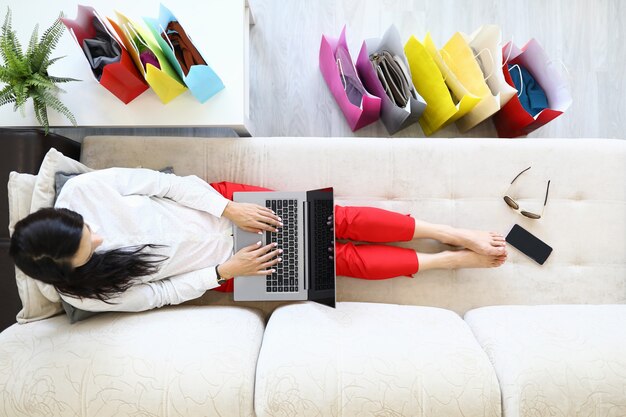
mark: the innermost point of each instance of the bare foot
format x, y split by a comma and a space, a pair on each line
458, 259
484, 243
469, 259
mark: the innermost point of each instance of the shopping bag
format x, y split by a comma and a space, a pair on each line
394, 117
486, 43
110, 62
149, 58
465, 100
183, 55
513, 120
359, 107
441, 108
459, 58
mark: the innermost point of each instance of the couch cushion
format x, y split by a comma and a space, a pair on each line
556, 360
38, 298
182, 361
44, 192
365, 359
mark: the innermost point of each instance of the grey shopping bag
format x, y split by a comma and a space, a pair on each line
384, 70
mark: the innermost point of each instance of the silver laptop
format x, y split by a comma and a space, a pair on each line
307, 270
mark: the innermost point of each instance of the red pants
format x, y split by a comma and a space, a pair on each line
365, 224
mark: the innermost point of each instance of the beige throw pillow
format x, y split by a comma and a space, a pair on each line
27, 194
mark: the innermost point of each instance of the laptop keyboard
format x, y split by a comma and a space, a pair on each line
285, 279
325, 274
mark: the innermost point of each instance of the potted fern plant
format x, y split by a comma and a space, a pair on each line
26, 73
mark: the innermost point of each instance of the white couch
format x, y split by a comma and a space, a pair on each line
519, 340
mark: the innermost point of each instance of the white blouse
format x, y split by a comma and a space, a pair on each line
135, 206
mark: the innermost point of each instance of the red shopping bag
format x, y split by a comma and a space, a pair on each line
513, 120
121, 78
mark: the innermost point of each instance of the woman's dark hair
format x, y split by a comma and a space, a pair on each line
44, 243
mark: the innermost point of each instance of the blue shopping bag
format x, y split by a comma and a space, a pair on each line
201, 80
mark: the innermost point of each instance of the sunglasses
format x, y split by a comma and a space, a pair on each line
513, 204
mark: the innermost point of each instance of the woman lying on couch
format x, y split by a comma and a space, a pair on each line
145, 239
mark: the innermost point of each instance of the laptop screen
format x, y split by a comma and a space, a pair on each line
321, 239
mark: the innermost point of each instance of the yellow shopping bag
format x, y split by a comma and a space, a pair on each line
431, 85
164, 80
466, 101
459, 59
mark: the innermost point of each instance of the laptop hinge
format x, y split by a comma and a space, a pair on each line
304, 256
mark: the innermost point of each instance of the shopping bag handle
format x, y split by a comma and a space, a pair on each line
492, 60
127, 27
443, 51
449, 56
343, 77
167, 38
510, 43
521, 80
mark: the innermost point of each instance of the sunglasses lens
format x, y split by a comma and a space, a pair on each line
510, 202
530, 215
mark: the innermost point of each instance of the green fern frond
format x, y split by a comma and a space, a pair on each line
41, 113
21, 94
4, 32
53, 60
21, 68
6, 100
61, 80
41, 53
6, 95
6, 26
5, 74
11, 49
38, 80
54, 103
32, 44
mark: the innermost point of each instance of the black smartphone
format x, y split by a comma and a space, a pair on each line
529, 244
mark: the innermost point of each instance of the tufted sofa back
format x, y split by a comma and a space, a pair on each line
452, 181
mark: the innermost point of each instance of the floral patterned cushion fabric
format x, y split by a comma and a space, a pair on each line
567, 360
364, 359
182, 361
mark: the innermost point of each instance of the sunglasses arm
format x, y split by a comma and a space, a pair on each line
546, 199
519, 175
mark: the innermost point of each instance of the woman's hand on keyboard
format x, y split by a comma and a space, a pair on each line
252, 260
252, 217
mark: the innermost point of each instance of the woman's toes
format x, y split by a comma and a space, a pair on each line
481, 242
498, 250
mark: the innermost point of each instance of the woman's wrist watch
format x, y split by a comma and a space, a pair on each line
220, 279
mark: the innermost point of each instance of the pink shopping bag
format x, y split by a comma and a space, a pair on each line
358, 106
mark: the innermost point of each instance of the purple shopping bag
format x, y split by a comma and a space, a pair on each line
359, 107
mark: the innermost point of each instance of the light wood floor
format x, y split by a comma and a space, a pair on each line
289, 96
